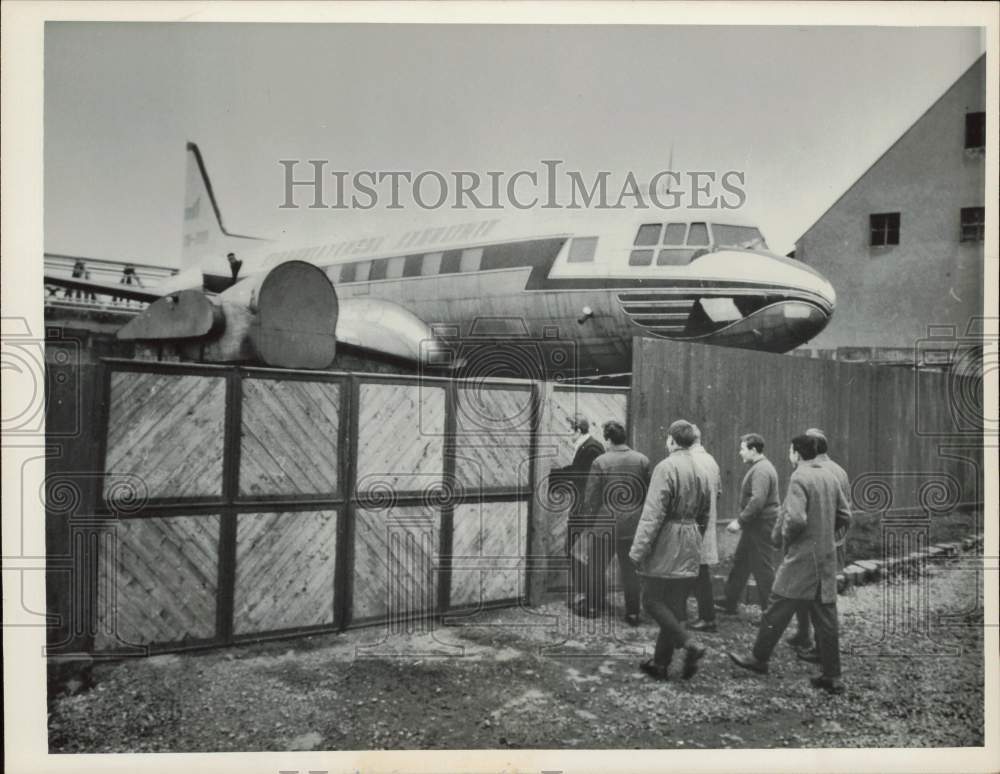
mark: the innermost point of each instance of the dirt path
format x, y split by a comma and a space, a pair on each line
522, 679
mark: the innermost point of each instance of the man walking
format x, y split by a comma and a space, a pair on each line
758, 513
709, 542
616, 490
802, 640
586, 450
667, 548
814, 508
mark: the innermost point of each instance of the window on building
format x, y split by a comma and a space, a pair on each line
973, 224
648, 234
975, 130
884, 229
640, 258
698, 234
347, 272
582, 249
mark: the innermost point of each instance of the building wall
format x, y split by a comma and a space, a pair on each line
888, 296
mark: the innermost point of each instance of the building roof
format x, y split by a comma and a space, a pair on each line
979, 62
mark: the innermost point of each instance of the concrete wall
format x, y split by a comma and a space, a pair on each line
888, 296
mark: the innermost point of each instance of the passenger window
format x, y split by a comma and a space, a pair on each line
582, 250
347, 272
432, 264
472, 259
394, 267
698, 235
413, 266
640, 258
378, 269
674, 257
361, 271
451, 262
673, 234
649, 234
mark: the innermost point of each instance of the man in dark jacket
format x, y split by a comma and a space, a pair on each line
616, 490
814, 509
667, 548
587, 449
802, 640
758, 512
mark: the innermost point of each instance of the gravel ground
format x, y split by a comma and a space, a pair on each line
520, 678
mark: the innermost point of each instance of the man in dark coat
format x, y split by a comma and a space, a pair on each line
616, 490
814, 509
758, 512
667, 548
587, 449
802, 640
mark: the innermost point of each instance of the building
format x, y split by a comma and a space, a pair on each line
903, 246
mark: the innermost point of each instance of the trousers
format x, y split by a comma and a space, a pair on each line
665, 600
590, 577
754, 555
703, 593
779, 614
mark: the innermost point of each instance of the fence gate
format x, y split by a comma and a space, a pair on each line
242, 503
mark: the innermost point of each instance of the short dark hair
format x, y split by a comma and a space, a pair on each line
753, 441
579, 422
820, 436
805, 445
614, 431
682, 432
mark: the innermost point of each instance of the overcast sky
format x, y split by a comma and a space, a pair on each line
802, 111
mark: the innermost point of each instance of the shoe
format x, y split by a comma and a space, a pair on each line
800, 642
808, 654
692, 655
654, 670
702, 626
724, 607
749, 662
831, 685
632, 619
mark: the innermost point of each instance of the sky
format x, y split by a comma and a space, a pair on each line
802, 112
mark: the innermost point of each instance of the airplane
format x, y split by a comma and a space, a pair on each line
546, 296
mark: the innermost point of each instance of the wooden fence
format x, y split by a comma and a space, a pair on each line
910, 440
242, 503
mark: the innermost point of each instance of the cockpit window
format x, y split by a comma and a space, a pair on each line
744, 237
582, 249
640, 258
649, 234
674, 256
698, 234
674, 233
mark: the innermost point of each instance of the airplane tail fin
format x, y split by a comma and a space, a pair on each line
206, 240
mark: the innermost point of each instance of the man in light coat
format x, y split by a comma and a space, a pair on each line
709, 542
758, 512
616, 490
802, 640
814, 508
667, 548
